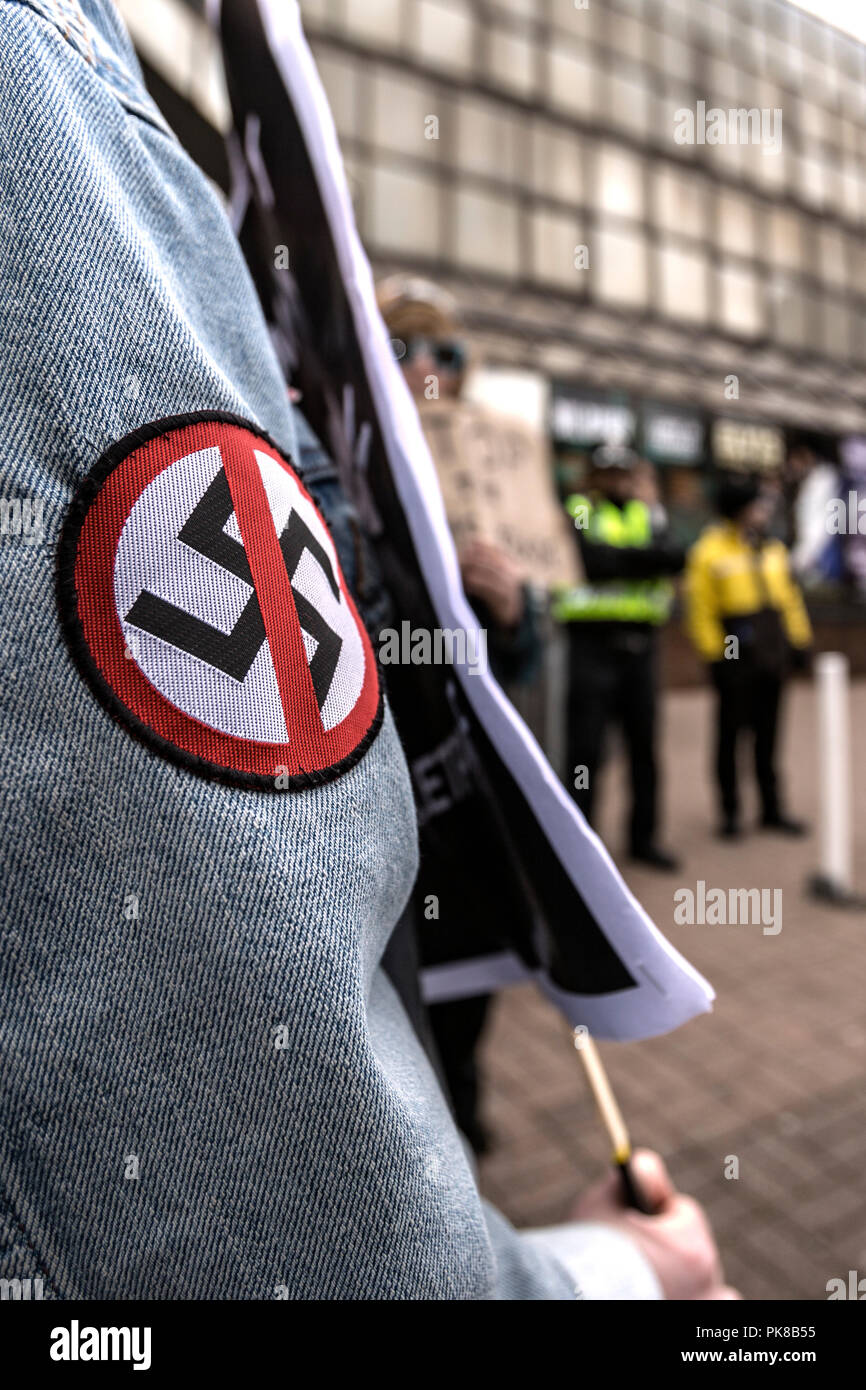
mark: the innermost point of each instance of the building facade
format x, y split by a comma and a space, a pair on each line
655, 207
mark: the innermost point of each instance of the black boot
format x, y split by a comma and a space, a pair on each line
784, 825
655, 858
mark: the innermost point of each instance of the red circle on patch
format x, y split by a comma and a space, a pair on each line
203, 597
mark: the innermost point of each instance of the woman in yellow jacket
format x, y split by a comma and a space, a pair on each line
746, 617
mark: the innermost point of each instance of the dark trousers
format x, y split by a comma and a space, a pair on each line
612, 680
457, 1027
748, 703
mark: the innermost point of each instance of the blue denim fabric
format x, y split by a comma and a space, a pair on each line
159, 930
357, 558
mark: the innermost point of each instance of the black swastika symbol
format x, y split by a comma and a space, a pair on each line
234, 652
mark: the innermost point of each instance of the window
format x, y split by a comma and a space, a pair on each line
399, 107
442, 34
767, 96
727, 158
585, 24
735, 226
377, 22
858, 338
403, 212
555, 239
679, 200
618, 262
673, 56
756, 47
682, 283
716, 24
571, 78
485, 138
724, 83
675, 95
836, 330
852, 191
831, 254
557, 164
848, 133
788, 311
810, 179
832, 182
764, 165
619, 182
811, 120
818, 81
628, 36
853, 98
784, 22
677, 14
524, 7
785, 238
625, 101
740, 308
757, 11
512, 61
786, 62
857, 264
849, 57
487, 233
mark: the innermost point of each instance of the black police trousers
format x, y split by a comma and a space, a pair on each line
748, 700
612, 681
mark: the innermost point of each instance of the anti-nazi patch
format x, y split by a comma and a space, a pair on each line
203, 599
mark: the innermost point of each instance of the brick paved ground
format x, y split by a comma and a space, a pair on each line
775, 1075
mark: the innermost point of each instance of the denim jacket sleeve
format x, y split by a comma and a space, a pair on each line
209, 1087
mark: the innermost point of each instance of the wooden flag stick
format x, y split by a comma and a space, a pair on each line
611, 1116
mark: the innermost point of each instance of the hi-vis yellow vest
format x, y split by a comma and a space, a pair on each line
617, 600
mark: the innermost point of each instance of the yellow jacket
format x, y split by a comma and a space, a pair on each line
727, 578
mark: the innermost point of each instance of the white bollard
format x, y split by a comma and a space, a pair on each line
834, 774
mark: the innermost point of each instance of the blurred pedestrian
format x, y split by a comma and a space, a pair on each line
427, 341
811, 482
746, 617
612, 621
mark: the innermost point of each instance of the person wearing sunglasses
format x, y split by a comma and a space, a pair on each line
421, 356
426, 340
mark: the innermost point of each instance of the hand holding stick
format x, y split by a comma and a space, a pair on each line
612, 1119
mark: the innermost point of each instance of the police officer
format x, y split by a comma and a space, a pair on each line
612, 620
746, 617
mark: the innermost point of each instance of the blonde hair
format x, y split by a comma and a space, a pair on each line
412, 306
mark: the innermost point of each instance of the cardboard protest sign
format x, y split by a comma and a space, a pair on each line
496, 484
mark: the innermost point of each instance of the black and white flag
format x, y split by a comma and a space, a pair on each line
548, 899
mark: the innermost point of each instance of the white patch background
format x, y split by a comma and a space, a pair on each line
150, 556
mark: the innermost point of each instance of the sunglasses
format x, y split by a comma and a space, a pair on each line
447, 355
